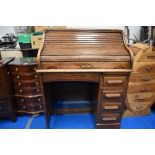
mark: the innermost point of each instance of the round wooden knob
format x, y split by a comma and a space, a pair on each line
40, 106
24, 107
19, 84
37, 83
36, 76
20, 90
16, 69
22, 100
39, 99
18, 77
35, 68
38, 90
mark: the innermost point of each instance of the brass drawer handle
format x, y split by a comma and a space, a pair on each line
115, 82
86, 66
109, 118
18, 77
112, 95
145, 79
110, 107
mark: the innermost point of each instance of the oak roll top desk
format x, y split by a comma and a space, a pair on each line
76, 56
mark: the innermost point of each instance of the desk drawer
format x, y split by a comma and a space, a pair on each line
142, 97
139, 77
18, 77
23, 84
30, 108
141, 88
145, 68
86, 65
29, 100
112, 96
23, 69
114, 83
28, 91
109, 118
147, 57
111, 106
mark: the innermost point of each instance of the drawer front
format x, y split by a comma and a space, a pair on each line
86, 65
4, 107
30, 91
141, 88
18, 77
111, 106
23, 69
139, 77
2, 92
137, 107
30, 108
29, 100
142, 97
24, 84
146, 68
109, 118
148, 57
114, 83
112, 96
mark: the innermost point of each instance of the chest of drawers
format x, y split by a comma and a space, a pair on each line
92, 56
141, 89
27, 85
7, 102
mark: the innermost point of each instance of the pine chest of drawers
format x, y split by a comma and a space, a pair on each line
74, 56
141, 89
7, 102
27, 85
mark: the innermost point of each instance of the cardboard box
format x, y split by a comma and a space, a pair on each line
36, 41
40, 28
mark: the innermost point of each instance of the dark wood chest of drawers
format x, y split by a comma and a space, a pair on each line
7, 102
27, 85
94, 56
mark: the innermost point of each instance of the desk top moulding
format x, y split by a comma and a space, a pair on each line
97, 55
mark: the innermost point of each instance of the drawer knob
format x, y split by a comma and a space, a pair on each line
114, 82
18, 77
110, 107
38, 90
109, 118
35, 68
86, 66
24, 107
36, 76
37, 83
112, 95
148, 68
39, 99
20, 90
40, 106
19, 84
22, 100
16, 69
